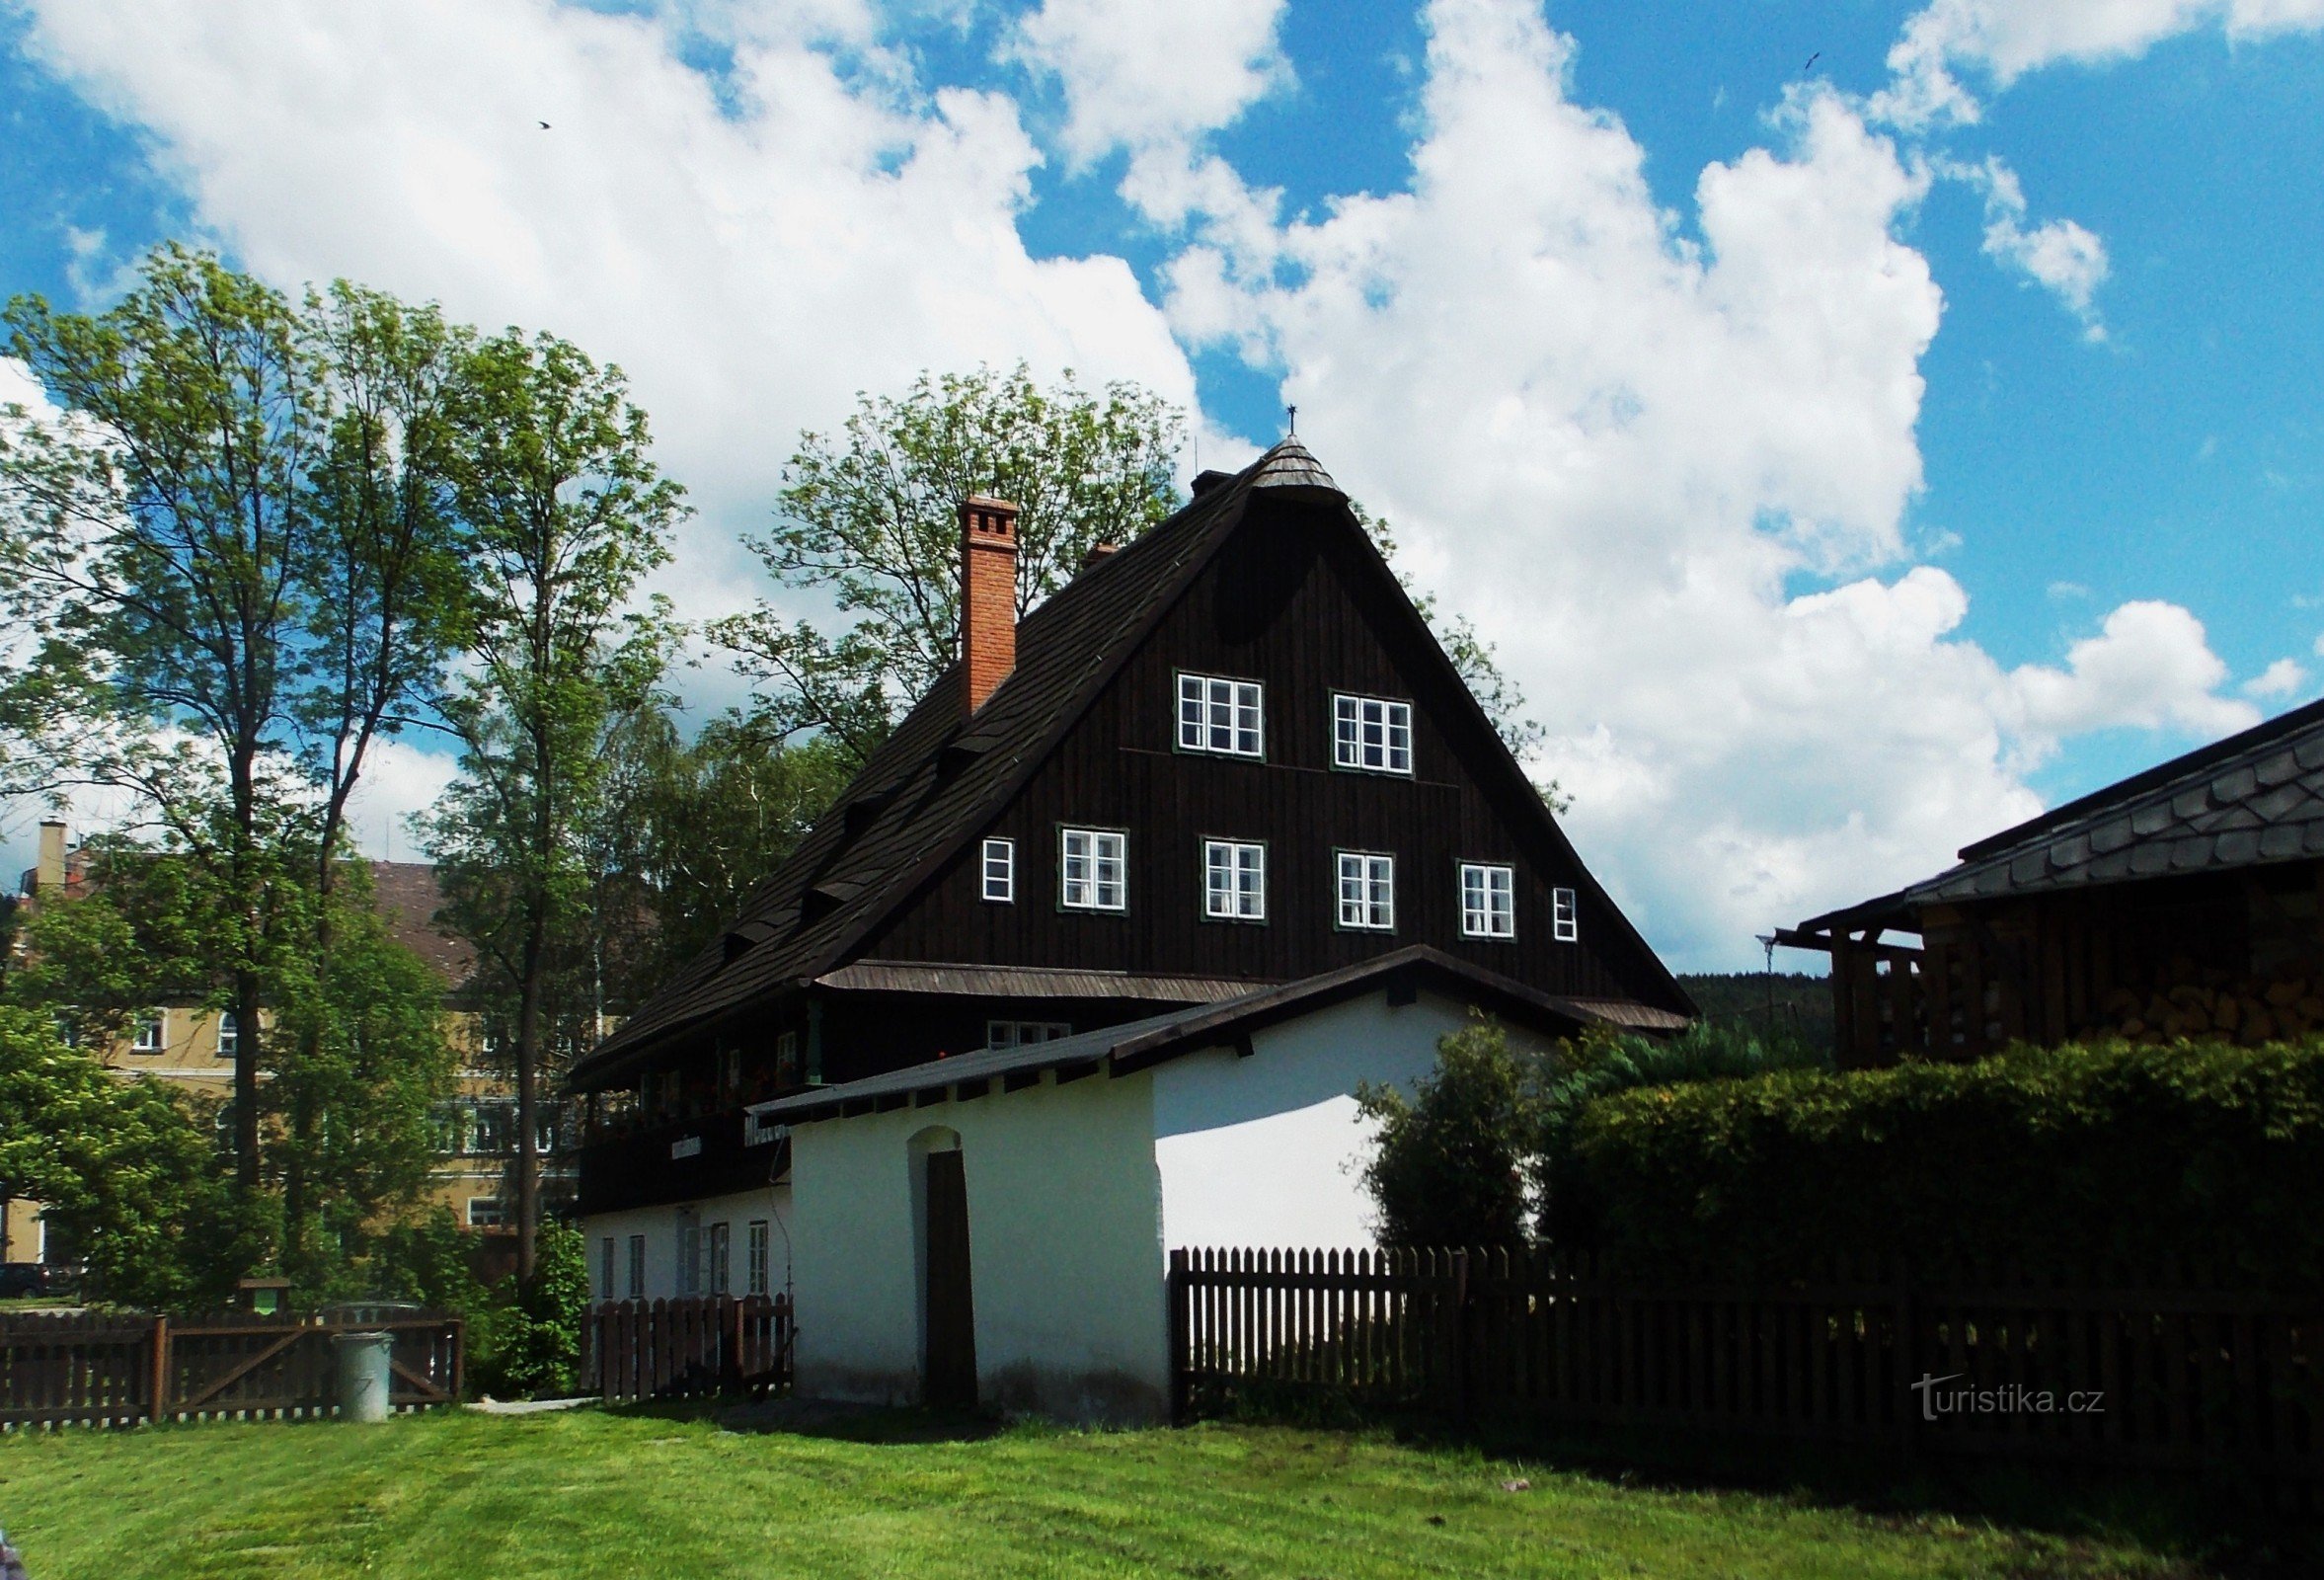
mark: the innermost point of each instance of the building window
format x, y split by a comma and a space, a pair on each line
484, 1212
1372, 734
1367, 892
146, 1038
637, 1283
1093, 870
492, 1129
1565, 923
447, 1128
544, 1135
722, 1258
606, 1268
731, 1071
1216, 714
229, 1035
787, 1059
1234, 881
755, 1249
689, 1259
1000, 871
1024, 1033
1488, 900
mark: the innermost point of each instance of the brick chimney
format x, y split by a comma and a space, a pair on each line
48, 866
988, 595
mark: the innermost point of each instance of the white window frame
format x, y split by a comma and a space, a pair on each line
1565, 916
1024, 1033
491, 1218
1242, 863
755, 1258
636, 1287
1089, 890
722, 1258
156, 1022
1364, 728
1000, 872
229, 1035
1373, 874
606, 1268
1488, 900
1220, 716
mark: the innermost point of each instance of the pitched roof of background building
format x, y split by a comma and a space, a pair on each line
940, 775
2250, 800
406, 894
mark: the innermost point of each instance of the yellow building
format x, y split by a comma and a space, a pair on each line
194, 1045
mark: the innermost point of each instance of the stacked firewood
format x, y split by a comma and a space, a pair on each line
2216, 1004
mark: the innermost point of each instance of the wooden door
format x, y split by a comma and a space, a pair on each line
949, 1373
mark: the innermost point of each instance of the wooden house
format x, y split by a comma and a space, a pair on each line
2180, 901
1228, 757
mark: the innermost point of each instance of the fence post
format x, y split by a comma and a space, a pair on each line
1460, 1332
1176, 1286
159, 1399
1907, 1324
729, 1379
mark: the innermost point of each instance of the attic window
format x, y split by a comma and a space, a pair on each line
1219, 715
1565, 925
1372, 734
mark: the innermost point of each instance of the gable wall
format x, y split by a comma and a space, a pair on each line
1285, 604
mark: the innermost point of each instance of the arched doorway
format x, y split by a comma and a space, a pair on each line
948, 1311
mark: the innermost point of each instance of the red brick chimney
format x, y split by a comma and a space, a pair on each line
988, 595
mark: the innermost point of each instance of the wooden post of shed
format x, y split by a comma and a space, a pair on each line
1843, 997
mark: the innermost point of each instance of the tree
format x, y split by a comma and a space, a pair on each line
1451, 1163
565, 513
127, 1172
236, 554
871, 518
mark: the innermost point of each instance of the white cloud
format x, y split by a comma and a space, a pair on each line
1142, 73
401, 775
2002, 39
1613, 448
2285, 677
753, 251
2060, 256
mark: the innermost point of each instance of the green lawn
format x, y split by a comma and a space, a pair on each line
594, 1493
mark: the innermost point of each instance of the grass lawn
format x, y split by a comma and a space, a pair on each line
591, 1493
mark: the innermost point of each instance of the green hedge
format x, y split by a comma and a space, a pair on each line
2099, 1153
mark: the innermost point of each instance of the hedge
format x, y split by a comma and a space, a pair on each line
2138, 1157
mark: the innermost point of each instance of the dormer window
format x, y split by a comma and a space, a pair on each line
1220, 716
1372, 735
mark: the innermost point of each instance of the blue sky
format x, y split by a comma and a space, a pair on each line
1849, 457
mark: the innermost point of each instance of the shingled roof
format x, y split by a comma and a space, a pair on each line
2250, 800
940, 775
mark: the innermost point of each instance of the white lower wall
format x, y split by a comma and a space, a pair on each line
1266, 1150
1065, 1250
659, 1226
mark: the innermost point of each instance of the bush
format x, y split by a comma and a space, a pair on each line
1449, 1167
2109, 1151
537, 1341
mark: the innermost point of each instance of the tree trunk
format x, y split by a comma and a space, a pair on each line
528, 1034
246, 1081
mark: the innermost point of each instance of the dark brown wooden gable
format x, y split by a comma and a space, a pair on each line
1296, 601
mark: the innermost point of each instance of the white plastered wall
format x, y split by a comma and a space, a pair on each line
1065, 1250
1266, 1150
660, 1226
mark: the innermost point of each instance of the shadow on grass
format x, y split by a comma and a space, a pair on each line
2221, 1523
824, 1418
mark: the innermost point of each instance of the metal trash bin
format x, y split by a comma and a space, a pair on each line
362, 1375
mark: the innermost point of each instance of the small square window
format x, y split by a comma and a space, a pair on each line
148, 1037
1488, 900
1000, 871
1367, 892
1093, 870
1234, 881
1219, 715
484, 1212
1565, 923
1372, 734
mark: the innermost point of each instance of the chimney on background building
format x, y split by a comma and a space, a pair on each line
48, 866
988, 595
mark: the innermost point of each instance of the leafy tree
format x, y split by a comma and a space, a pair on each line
1450, 1167
565, 513
871, 518
537, 1341
126, 1170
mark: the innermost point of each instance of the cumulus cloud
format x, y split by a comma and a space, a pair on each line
2060, 255
2002, 39
1616, 449
2285, 677
1141, 73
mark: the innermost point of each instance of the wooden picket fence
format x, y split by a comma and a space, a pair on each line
94, 1368
2177, 1375
714, 1345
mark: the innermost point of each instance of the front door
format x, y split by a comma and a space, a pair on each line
949, 1375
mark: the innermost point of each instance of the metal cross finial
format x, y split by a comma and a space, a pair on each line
1295, 411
